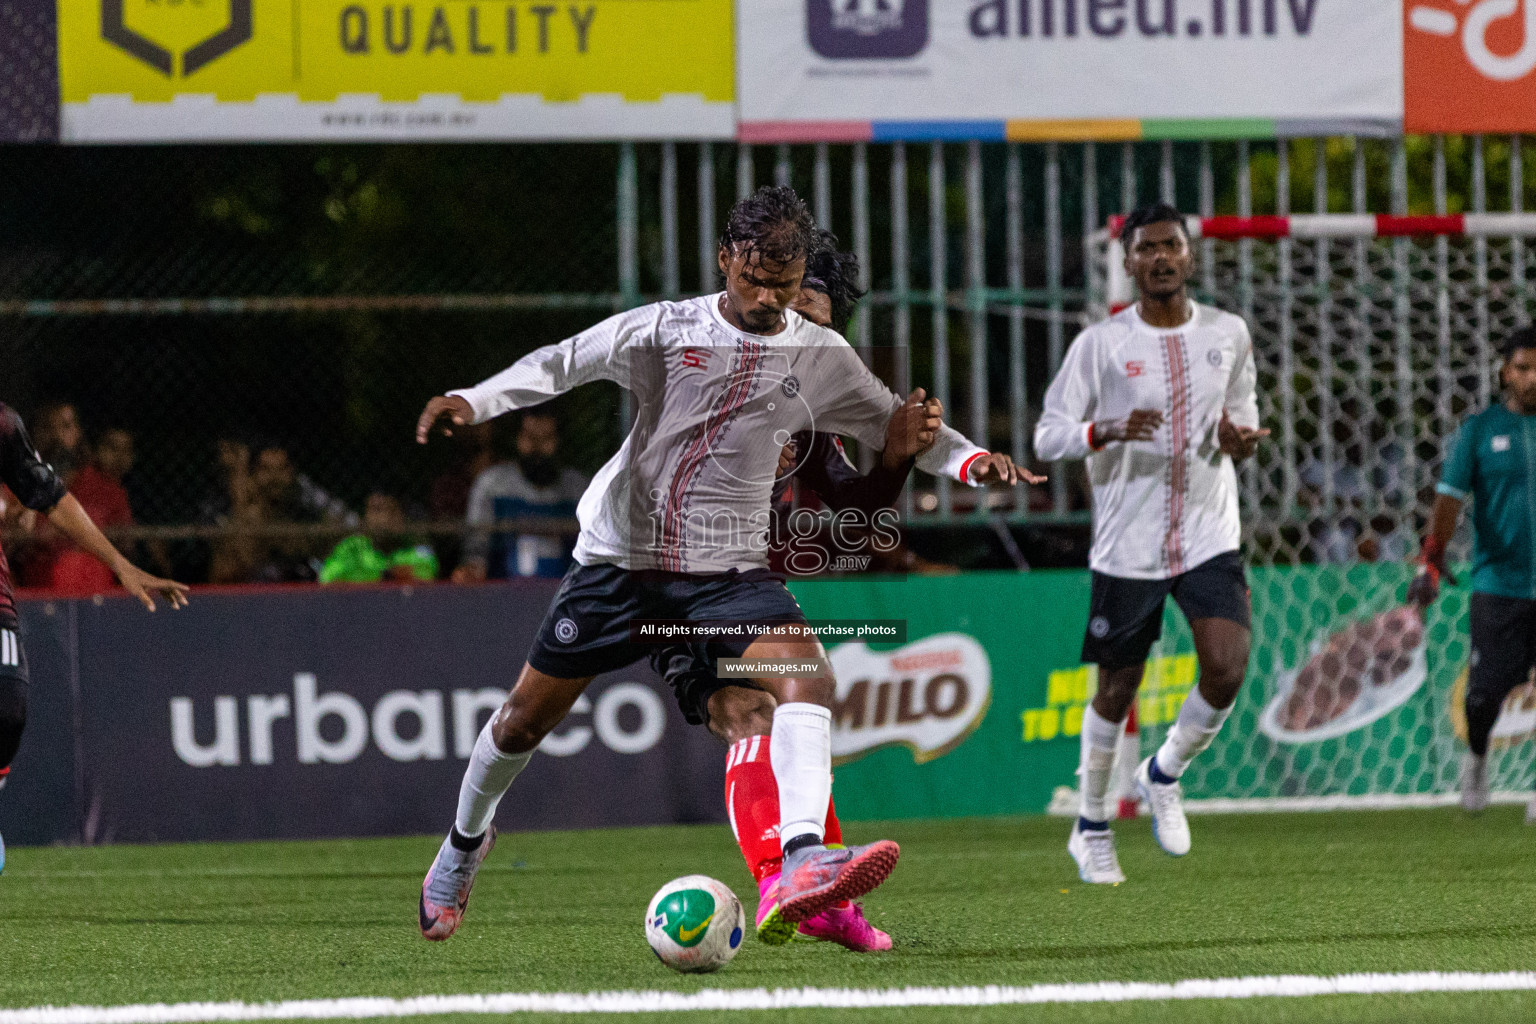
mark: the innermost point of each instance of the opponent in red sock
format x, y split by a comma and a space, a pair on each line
752, 801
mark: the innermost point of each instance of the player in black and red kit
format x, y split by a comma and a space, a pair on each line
39, 488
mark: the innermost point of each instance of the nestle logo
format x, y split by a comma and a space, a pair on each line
867, 28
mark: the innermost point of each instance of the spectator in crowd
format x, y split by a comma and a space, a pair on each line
533, 484
267, 489
290, 496
382, 550
59, 439
98, 486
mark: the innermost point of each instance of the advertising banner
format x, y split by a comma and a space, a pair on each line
1469, 67
274, 70
312, 713
309, 713
1067, 69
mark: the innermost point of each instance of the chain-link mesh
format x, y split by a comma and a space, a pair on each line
1371, 352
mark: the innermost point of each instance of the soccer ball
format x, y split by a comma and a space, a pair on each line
695, 924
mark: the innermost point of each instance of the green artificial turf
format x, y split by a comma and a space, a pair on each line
974, 901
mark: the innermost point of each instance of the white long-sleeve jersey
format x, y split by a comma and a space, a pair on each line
689, 489
1163, 506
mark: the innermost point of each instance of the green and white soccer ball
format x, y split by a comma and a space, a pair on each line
695, 924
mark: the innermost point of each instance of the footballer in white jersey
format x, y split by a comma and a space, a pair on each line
674, 528
1160, 400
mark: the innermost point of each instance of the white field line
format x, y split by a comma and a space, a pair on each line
1064, 803
779, 999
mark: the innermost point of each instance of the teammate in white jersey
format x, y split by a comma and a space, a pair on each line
674, 528
1160, 401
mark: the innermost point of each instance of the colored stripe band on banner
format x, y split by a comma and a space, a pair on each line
1050, 130
1346, 225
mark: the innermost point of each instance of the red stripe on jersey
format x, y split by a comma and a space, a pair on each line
674, 528
1178, 466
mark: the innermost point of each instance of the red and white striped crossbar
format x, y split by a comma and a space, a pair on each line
1351, 225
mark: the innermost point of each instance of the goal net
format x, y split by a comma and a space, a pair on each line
1375, 336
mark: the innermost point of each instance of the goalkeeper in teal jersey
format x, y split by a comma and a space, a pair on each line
1492, 464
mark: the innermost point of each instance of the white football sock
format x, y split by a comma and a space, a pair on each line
1197, 725
1096, 763
487, 778
800, 750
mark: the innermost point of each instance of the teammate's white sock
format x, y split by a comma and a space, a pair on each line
1198, 724
1096, 763
801, 752
487, 778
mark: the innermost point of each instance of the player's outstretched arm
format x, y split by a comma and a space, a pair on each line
69, 518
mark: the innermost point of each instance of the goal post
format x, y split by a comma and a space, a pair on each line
1375, 336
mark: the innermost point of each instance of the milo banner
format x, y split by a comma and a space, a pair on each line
1350, 695
214, 70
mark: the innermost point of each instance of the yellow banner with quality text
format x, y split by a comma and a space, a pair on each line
274, 70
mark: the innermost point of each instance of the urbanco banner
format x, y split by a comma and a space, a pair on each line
310, 713
1067, 69
277, 70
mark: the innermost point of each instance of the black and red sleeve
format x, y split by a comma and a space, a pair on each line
32, 480
827, 471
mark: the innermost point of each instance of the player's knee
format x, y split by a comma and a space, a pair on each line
515, 732
1222, 678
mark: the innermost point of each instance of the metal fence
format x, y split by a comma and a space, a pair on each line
312, 297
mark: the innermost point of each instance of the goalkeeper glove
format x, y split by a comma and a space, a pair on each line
1425, 587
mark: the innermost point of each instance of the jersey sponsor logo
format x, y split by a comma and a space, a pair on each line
927, 696
843, 29
1468, 66
565, 631
695, 358
1214, 357
1500, 443
198, 33
790, 386
1135, 368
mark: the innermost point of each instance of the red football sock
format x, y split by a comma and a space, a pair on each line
834, 832
752, 801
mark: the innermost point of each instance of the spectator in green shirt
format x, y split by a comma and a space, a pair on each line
381, 551
1492, 464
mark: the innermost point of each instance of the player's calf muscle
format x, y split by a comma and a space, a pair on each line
535, 706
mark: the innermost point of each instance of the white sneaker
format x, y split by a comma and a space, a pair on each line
1095, 855
1474, 783
1165, 802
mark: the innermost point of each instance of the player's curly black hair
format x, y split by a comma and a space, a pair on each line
1146, 216
1524, 337
774, 223
836, 275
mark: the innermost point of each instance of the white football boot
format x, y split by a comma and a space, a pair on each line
1094, 852
1165, 802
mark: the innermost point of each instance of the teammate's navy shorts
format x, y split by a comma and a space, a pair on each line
1125, 617
586, 630
688, 669
1503, 644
